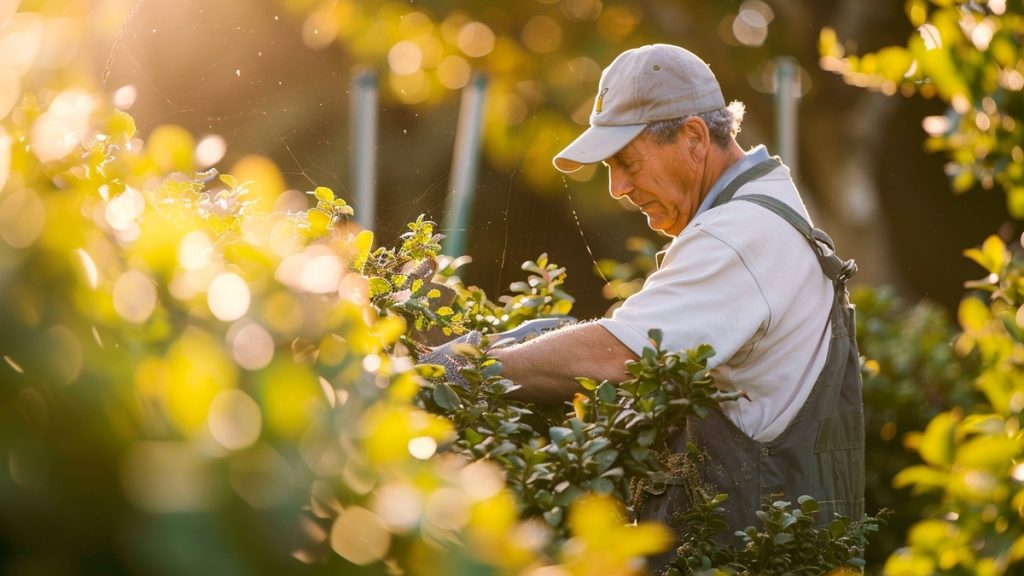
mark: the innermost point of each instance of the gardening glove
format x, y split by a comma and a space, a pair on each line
448, 355
529, 329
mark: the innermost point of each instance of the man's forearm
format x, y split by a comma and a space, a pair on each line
546, 366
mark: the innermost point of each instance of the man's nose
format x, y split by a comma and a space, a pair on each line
619, 184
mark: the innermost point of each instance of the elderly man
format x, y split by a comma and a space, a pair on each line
745, 272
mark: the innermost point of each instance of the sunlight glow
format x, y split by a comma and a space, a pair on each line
21, 40
316, 269
122, 211
360, 536
61, 128
134, 296
982, 34
228, 297
750, 27
235, 419
253, 347
22, 215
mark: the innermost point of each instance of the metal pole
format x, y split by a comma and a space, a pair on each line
787, 92
465, 160
363, 124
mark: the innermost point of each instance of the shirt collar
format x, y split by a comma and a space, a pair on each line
750, 158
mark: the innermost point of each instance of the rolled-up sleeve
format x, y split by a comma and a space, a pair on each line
704, 292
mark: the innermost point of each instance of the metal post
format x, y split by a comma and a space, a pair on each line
363, 124
465, 160
787, 92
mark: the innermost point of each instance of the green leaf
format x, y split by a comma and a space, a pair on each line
938, 442
378, 286
606, 392
445, 397
587, 383
559, 434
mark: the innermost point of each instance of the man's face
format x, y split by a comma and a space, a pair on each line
663, 181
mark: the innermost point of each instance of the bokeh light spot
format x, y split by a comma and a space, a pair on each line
542, 35
60, 129
195, 250
122, 211
21, 40
228, 297
359, 536
405, 57
210, 150
399, 505
476, 39
235, 419
21, 218
134, 296
125, 96
253, 347
453, 72
319, 30
166, 477
92, 274
422, 447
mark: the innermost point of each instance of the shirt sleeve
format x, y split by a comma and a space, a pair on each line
703, 293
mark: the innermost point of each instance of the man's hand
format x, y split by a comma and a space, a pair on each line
449, 356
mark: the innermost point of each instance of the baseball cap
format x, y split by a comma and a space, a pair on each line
642, 85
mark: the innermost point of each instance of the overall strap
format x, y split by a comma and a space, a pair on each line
834, 267
753, 173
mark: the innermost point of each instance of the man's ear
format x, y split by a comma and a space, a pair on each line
695, 135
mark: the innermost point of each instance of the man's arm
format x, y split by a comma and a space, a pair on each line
546, 366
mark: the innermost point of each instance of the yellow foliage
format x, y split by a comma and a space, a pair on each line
265, 182
604, 544
198, 369
291, 398
172, 148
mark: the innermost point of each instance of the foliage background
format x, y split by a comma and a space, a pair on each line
270, 106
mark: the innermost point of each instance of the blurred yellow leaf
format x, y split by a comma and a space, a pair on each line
974, 315
199, 368
171, 148
291, 398
608, 545
938, 442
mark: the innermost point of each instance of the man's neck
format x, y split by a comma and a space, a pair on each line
719, 159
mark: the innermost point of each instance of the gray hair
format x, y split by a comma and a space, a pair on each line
723, 124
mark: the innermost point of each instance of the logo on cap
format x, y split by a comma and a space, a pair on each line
600, 101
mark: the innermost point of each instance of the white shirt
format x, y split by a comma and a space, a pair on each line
743, 280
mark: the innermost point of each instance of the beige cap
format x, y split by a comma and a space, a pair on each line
642, 85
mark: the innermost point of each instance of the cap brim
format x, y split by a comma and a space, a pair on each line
596, 144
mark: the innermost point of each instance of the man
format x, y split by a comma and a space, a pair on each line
751, 278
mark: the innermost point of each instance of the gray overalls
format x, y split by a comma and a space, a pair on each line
820, 453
